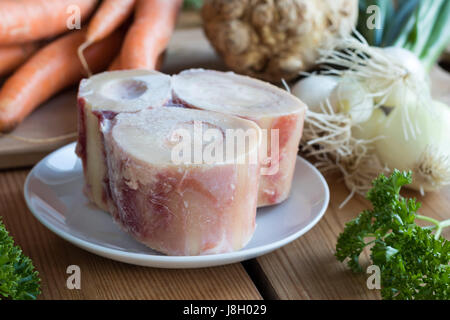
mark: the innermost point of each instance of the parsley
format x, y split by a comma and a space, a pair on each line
414, 263
18, 278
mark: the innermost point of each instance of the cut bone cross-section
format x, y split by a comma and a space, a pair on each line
101, 98
273, 109
187, 208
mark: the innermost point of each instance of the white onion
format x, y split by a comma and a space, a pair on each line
427, 153
353, 98
400, 92
370, 129
398, 96
314, 90
408, 60
416, 133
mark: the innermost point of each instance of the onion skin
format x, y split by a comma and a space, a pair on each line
351, 97
314, 90
426, 151
371, 128
408, 59
400, 93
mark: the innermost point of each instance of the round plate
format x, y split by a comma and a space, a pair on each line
54, 194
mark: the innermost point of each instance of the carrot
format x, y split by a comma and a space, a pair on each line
110, 15
149, 34
28, 20
14, 55
51, 69
115, 65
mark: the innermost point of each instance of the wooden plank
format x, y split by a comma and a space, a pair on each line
307, 268
106, 279
56, 118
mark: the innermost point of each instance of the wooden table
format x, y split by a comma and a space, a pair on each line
304, 269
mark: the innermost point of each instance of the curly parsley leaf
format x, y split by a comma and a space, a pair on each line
419, 267
414, 264
18, 278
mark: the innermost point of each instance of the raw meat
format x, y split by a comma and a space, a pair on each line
186, 208
102, 97
269, 106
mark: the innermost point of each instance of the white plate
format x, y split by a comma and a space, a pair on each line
53, 192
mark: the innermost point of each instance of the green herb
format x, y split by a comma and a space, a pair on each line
18, 278
421, 26
192, 4
414, 263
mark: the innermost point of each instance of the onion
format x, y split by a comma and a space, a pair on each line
314, 90
408, 60
353, 98
427, 154
370, 129
400, 92
355, 136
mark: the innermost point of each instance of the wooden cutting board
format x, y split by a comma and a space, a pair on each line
57, 118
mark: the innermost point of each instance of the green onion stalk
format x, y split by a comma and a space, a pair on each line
420, 26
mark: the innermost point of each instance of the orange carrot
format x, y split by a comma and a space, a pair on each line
149, 34
51, 69
110, 15
28, 20
14, 55
115, 65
